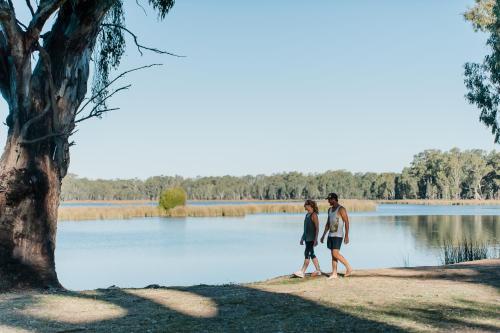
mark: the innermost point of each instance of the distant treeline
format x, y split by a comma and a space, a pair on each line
433, 174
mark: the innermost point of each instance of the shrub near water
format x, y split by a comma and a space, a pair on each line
466, 250
172, 198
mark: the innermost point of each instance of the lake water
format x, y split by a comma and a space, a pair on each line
186, 251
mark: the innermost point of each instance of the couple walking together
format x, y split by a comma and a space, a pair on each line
337, 227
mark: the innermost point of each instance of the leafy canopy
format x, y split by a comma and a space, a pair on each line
483, 80
173, 197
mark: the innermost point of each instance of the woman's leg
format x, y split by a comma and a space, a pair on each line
315, 259
304, 266
316, 264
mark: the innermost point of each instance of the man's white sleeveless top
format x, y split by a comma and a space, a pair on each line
336, 223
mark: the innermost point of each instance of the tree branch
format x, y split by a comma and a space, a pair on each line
50, 104
44, 11
95, 115
95, 110
30, 7
136, 41
92, 98
23, 141
47, 66
11, 30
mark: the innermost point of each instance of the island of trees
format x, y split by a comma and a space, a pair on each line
433, 174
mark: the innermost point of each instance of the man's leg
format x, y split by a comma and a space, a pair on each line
344, 261
334, 266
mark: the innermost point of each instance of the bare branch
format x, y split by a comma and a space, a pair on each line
23, 141
95, 115
142, 7
11, 30
92, 98
28, 3
50, 105
44, 11
136, 41
26, 126
22, 24
95, 110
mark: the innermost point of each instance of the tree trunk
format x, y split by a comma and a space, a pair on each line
43, 104
29, 199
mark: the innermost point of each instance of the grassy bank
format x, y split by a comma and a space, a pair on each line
442, 202
125, 212
458, 298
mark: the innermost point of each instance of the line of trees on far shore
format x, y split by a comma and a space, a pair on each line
433, 174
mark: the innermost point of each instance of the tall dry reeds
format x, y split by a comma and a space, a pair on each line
126, 212
460, 202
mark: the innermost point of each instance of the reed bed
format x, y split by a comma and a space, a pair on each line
466, 250
126, 212
461, 202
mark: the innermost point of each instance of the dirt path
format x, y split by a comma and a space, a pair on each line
462, 297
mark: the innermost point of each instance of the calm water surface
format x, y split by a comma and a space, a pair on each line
169, 251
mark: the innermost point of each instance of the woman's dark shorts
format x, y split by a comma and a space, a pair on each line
309, 252
334, 243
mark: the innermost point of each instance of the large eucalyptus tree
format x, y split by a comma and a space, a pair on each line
44, 73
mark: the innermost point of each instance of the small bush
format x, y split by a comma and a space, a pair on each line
172, 198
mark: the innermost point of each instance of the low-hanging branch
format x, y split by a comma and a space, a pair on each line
136, 41
100, 92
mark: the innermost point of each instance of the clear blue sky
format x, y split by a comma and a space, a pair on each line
271, 86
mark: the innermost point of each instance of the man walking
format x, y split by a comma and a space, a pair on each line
337, 222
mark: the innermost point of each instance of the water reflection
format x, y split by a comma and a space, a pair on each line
434, 230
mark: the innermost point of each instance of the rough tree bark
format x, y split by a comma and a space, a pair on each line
42, 107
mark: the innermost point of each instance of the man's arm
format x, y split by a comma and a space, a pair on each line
345, 218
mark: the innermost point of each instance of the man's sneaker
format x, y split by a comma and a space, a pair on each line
299, 274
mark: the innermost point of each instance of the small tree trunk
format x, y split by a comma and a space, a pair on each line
29, 199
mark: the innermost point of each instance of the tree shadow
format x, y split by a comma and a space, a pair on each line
486, 274
231, 308
463, 315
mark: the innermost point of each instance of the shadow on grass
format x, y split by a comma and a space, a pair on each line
463, 315
230, 308
483, 274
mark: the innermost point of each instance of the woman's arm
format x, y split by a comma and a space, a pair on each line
316, 227
327, 227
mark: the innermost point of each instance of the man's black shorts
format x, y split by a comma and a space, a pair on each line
334, 243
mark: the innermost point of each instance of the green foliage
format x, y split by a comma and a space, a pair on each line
111, 44
172, 198
162, 6
483, 80
481, 15
433, 174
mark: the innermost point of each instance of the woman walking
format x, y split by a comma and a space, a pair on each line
310, 237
